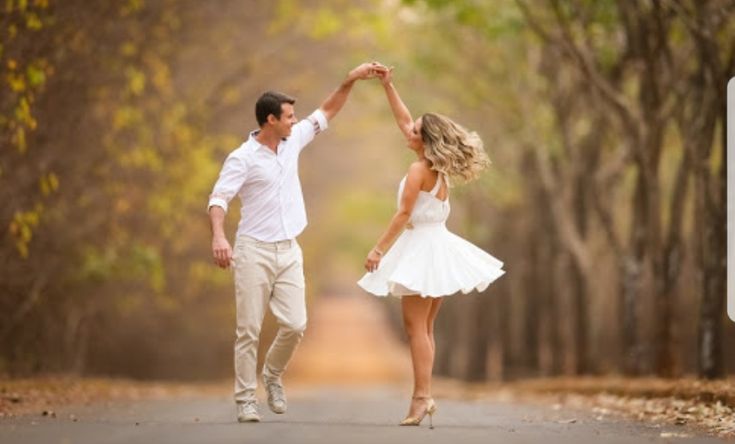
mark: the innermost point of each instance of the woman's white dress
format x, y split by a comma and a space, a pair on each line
429, 260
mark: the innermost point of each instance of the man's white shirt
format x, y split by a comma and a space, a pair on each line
268, 183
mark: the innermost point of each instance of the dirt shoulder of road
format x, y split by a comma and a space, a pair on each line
44, 395
704, 405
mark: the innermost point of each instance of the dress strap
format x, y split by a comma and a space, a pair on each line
437, 185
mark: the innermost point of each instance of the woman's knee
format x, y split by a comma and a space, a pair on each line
414, 326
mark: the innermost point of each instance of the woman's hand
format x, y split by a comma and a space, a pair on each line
373, 260
386, 76
367, 71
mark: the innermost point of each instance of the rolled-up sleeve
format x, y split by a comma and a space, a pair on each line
306, 129
231, 179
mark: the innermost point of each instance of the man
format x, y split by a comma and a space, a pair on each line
268, 262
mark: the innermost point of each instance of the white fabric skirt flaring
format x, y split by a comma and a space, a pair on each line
431, 261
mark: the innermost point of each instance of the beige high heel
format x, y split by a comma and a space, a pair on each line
429, 410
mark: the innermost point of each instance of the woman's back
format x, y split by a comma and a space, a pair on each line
429, 208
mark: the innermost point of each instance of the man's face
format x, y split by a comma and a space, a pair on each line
287, 120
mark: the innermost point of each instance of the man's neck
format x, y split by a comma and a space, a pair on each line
269, 139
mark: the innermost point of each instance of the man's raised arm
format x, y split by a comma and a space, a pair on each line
334, 103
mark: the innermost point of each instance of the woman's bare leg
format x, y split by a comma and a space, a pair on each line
433, 312
416, 311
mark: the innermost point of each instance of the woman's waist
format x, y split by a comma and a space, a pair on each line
424, 225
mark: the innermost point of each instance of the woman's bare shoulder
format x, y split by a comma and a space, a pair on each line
417, 174
419, 168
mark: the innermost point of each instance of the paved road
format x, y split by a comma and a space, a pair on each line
328, 416
348, 345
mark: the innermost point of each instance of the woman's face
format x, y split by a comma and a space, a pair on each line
415, 143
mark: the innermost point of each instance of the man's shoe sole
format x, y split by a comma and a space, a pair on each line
251, 419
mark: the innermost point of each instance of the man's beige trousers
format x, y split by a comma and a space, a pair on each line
267, 274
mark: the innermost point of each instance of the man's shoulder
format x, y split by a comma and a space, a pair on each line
244, 150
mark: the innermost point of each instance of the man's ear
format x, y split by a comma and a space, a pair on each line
272, 119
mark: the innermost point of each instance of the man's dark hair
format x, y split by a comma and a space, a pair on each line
270, 103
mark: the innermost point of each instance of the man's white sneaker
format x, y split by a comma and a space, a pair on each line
247, 412
276, 397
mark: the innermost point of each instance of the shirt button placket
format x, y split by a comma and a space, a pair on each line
281, 206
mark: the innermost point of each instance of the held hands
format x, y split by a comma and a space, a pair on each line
386, 76
221, 252
373, 260
367, 71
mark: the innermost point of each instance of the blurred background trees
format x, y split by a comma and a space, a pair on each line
606, 198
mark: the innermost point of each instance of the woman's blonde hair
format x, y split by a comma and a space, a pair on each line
451, 149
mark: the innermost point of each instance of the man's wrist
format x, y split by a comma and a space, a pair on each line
349, 80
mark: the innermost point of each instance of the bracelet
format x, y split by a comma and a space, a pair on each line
377, 250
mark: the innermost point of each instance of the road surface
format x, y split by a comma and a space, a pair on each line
349, 384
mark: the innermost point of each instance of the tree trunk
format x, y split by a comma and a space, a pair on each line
631, 267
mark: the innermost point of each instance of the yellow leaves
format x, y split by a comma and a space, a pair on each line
200, 273
126, 116
36, 73
231, 96
128, 49
33, 22
22, 85
17, 82
24, 222
48, 183
11, 5
19, 139
161, 74
136, 80
286, 13
132, 6
318, 24
325, 24
21, 228
142, 157
34, 76
32, 19
184, 135
23, 113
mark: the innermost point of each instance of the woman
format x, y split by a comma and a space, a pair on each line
427, 262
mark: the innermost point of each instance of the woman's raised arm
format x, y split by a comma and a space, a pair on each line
400, 111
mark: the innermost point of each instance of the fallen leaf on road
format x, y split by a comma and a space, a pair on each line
674, 435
